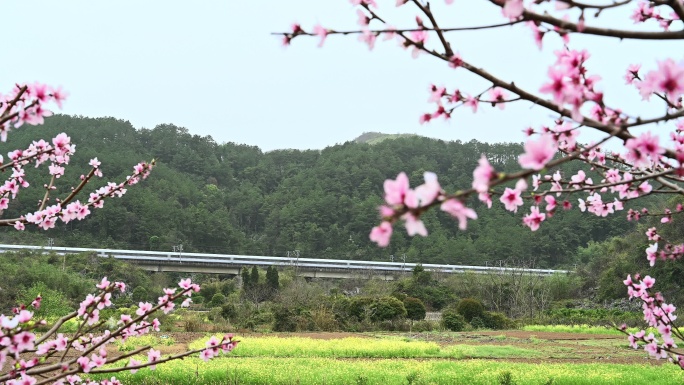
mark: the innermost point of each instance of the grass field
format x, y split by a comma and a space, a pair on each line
393, 371
447, 358
585, 329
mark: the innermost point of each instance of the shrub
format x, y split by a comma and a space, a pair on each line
285, 320
215, 314
496, 321
324, 319
505, 378
193, 324
387, 309
359, 307
415, 309
217, 300
229, 311
453, 321
470, 308
424, 326
478, 323
53, 305
140, 295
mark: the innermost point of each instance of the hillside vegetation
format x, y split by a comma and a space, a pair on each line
234, 198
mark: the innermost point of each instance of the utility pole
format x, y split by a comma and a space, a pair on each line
51, 243
296, 253
179, 249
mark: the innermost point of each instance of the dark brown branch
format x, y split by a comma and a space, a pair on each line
382, 31
664, 118
47, 194
426, 10
608, 32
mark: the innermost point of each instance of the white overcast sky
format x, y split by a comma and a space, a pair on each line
213, 67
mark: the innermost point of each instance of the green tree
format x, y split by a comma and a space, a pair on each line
246, 279
415, 309
272, 279
254, 277
139, 294
387, 309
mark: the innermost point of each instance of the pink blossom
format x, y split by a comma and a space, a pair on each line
513, 9
486, 198
419, 39
185, 283
321, 32
24, 340
368, 37
643, 150
534, 218
103, 283
36, 302
459, 211
206, 355
381, 234
455, 61
93, 316
558, 86
414, 225
498, 97
538, 153
550, 202
645, 187
143, 308
24, 316
153, 356
482, 175
651, 253
668, 78
84, 363
396, 190
511, 199
578, 178
424, 194
632, 73
133, 362
648, 282
61, 342
97, 361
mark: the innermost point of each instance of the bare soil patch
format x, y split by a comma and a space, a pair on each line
522, 334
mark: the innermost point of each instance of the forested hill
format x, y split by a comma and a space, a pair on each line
233, 198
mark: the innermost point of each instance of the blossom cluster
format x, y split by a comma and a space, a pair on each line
26, 104
659, 315
620, 177
407, 204
27, 358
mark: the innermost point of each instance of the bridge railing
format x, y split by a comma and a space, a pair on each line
168, 258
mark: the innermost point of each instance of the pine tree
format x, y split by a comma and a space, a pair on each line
246, 282
254, 277
272, 278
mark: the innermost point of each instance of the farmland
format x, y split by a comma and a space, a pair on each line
483, 357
